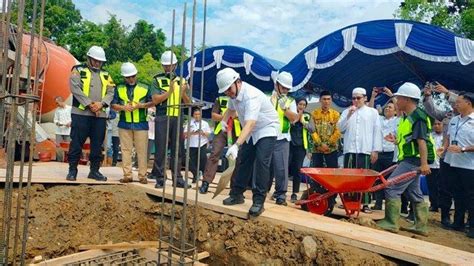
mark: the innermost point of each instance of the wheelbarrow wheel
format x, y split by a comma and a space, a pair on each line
322, 207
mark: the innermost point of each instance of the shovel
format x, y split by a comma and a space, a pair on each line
227, 174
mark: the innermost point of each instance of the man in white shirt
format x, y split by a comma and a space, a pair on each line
256, 141
197, 134
362, 131
287, 114
62, 120
460, 157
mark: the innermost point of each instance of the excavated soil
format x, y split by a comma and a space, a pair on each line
64, 217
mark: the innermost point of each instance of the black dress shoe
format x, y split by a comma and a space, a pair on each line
159, 183
256, 209
470, 233
281, 202
181, 183
204, 187
233, 200
71, 175
95, 174
294, 198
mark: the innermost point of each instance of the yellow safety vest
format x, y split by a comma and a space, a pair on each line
284, 122
173, 100
223, 101
86, 75
138, 115
407, 146
306, 118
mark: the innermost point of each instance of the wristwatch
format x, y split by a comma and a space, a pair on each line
463, 149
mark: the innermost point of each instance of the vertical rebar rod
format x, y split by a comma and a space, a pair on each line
166, 149
6, 17
32, 136
23, 134
185, 196
12, 131
178, 130
203, 53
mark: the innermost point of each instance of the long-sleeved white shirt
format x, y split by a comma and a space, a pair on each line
62, 116
389, 126
438, 140
362, 130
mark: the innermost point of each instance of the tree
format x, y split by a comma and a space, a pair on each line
81, 37
456, 15
115, 49
142, 39
147, 68
60, 15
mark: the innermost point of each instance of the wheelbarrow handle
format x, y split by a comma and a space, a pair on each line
395, 180
388, 171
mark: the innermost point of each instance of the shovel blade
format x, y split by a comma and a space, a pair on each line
225, 178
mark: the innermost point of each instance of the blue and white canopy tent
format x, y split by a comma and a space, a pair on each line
383, 53
252, 67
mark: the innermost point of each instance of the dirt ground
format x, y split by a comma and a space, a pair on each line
64, 217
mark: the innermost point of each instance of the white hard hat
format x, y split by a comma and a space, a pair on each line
285, 79
225, 78
168, 58
128, 69
409, 90
97, 53
359, 90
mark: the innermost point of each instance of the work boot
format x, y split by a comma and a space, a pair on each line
233, 200
392, 215
72, 174
160, 182
256, 209
421, 219
204, 187
181, 183
445, 218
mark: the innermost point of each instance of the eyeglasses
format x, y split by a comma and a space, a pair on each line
357, 98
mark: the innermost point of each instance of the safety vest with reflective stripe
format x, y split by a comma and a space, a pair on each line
223, 101
407, 146
173, 100
284, 122
139, 94
306, 118
86, 75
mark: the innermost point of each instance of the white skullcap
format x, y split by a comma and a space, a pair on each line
359, 90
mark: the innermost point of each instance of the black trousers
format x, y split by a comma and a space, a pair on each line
359, 161
463, 193
193, 162
297, 154
384, 161
161, 138
433, 187
115, 148
318, 160
254, 157
83, 127
445, 187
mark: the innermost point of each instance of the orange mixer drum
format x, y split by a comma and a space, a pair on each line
55, 68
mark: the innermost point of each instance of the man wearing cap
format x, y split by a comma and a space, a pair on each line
168, 92
362, 131
256, 141
92, 90
132, 101
415, 152
287, 114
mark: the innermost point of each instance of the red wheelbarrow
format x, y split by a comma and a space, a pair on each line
348, 183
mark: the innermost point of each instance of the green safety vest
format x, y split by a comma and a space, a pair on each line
139, 94
223, 101
407, 146
306, 118
284, 122
173, 100
86, 75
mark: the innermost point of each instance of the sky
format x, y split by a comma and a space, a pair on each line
277, 29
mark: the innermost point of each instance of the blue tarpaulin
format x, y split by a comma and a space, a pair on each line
383, 53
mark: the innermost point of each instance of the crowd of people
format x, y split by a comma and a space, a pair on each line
269, 137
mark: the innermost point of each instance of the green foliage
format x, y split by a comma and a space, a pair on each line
458, 15
147, 68
81, 37
143, 39
116, 39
